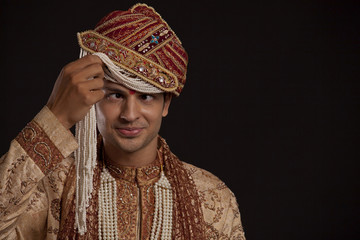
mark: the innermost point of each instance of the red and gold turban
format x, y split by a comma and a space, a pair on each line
142, 43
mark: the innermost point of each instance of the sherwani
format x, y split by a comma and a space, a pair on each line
37, 190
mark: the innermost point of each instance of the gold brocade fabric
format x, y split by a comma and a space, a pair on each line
136, 200
135, 197
37, 190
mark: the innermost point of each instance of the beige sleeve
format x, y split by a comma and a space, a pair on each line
233, 219
222, 214
36, 152
219, 206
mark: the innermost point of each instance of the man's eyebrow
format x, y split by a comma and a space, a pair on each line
109, 88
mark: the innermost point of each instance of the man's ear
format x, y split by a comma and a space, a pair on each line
167, 101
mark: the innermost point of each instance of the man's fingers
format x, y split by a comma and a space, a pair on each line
95, 84
98, 95
92, 71
93, 97
88, 60
83, 63
90, 85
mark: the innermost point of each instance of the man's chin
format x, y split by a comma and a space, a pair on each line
129, 145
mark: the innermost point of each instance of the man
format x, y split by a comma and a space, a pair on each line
132, 186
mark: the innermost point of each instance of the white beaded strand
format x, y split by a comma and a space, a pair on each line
163, 209
85, 161
107, 207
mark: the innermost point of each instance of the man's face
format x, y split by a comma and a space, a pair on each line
129, 121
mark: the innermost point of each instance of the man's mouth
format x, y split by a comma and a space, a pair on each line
129, 132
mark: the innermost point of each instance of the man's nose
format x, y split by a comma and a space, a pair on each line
129, 110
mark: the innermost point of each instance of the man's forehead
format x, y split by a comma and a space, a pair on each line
110, 84
117, 86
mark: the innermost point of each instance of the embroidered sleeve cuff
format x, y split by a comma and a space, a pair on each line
63, 139
46, 140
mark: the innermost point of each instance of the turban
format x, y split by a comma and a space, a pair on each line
142, 43
141, 52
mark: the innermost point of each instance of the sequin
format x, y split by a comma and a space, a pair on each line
154, 39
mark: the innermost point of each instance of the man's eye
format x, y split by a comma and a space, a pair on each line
146, 97
114, 96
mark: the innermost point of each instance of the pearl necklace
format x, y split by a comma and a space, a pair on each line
107, 215
163, 209
107, 207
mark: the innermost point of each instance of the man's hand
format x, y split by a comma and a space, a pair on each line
78, 86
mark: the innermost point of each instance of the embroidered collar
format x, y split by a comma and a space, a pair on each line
139, 175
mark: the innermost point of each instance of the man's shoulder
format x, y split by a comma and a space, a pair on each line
207, 182
218, 203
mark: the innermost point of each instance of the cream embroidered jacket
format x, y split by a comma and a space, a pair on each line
37, 186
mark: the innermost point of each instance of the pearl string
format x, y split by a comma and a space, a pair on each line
107, 215
85, 161
163, 209
107, 207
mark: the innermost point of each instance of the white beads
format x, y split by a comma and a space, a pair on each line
163, 210
107, 207
85, 160
162, 222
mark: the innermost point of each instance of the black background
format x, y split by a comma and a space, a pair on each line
270, 107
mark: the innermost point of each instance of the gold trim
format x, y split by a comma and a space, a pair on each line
147, 35
126, 24
137, 30
167, 54
159, 45
177, 53
145, 5
169, 89
24, 134
112, 20
159, 59
176, 62
47, 161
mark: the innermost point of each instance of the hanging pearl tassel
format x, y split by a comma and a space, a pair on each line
85, 161
107, 207
163, 209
